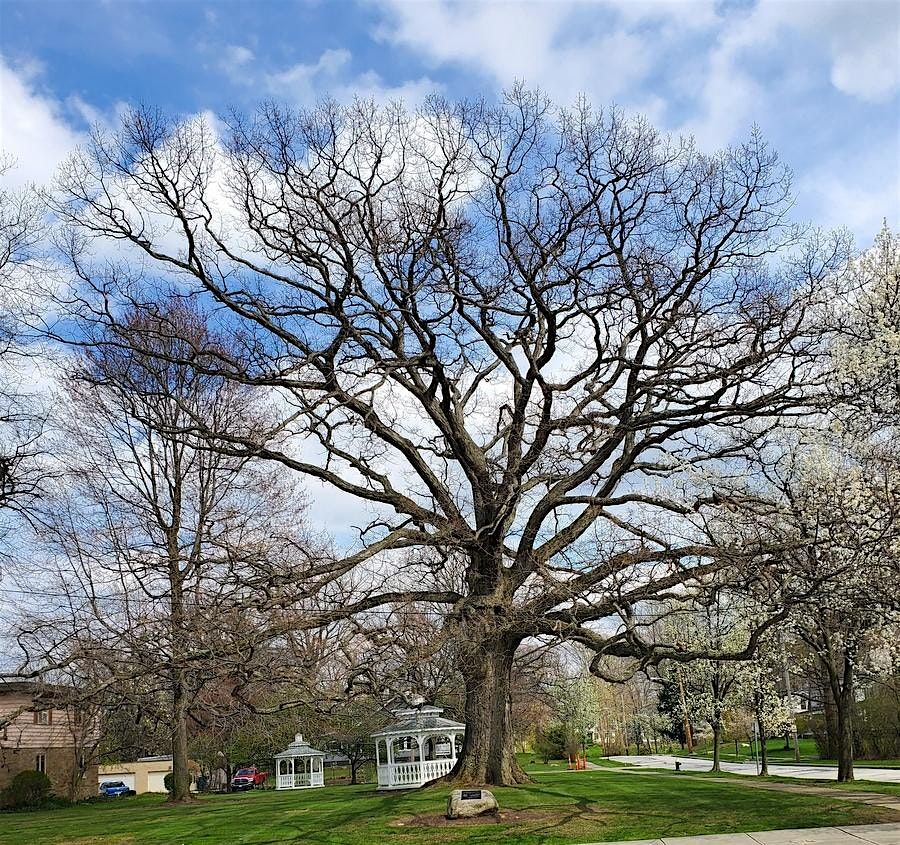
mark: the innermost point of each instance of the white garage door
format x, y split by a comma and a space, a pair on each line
155, 781
127, 779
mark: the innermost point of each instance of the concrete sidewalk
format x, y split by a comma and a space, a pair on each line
698, 764
861, 834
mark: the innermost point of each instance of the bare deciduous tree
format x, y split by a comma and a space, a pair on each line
21, 232
174, 561
533, 340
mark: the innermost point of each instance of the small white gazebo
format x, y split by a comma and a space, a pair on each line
419, 747
299, 766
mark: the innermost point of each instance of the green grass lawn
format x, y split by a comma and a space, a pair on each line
779, 754
559, 807
533, 764
852, 786
892, 789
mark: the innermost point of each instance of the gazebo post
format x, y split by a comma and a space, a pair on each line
421, 742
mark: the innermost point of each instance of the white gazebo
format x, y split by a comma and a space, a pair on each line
419, 747
299, 766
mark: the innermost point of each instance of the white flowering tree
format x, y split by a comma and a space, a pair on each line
846, 508
712, 687
836, 497
848, 500
868, 354
578, 704
769, 707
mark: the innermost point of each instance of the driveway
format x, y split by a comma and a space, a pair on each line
690, 764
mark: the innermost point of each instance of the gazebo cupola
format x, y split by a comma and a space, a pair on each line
299, 766
419, 747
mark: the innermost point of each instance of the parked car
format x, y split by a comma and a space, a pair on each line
247, 778
115, 788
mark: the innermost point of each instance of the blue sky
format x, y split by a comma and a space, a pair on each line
822, 79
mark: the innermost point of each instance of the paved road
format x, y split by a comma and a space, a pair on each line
860, 834
667, 761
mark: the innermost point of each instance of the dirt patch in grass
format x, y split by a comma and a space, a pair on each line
503, 817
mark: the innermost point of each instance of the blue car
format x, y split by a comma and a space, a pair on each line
113, 788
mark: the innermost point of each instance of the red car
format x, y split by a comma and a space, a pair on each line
247, 778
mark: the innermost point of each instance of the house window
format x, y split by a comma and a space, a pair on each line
43, 717
40, 763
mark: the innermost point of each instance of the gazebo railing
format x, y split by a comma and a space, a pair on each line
413, 774
299, 780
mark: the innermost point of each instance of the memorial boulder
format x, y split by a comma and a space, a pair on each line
466, 803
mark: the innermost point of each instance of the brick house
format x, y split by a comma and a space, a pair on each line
40, 729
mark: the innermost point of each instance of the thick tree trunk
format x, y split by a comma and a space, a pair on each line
688, 733
181, 787
488, 753
845, 724
829, 709
717, 743
845, 746
763, 749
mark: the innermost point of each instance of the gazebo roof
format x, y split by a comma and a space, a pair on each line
422, 719
300, 748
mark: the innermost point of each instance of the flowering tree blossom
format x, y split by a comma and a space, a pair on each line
848, 514
868, 353
578, 706
712, 687
770, 708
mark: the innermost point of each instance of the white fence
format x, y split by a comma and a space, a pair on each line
301, 780
399, 775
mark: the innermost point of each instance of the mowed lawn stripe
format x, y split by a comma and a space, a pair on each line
557, 808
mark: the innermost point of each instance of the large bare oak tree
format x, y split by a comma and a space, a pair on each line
533, 342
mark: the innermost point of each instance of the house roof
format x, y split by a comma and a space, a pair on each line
300, 748
425, 718
37, 689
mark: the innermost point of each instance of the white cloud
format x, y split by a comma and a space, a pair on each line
332, 76
729, 98
864, 43
234, 60
301, 81
237, 54
32, 127
610, 49
858, 42
566, 49
857, 189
